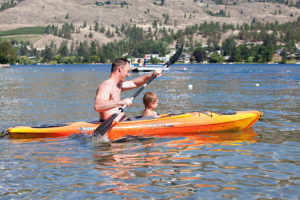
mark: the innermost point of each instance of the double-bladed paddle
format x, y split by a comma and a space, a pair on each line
105, 126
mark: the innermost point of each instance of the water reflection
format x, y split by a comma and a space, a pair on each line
166, 169
186, 167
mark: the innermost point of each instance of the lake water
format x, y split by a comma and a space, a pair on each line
260, 163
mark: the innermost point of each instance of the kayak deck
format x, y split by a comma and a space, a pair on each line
166, 124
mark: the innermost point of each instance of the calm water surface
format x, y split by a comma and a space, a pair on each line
260, 163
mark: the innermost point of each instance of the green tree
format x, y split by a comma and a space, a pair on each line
108, 33
263, 54
94, 59
154, 60
66, 30
235, 55
159, 47
93, 48
199, 54
69, 59
244, 52
63, 49
83, 52
7, 53
47, 54
215, 58
24, 60
96, 27
23, 51
102, 29
283, 56
228, 46
135, 34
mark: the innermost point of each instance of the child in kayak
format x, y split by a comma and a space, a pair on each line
150, 101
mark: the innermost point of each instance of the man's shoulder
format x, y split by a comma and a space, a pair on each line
105, 85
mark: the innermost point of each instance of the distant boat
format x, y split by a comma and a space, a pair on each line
149, 68
144, 67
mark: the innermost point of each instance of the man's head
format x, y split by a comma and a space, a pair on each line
121, 68
118, 63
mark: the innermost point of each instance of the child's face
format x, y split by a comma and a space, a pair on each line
154, 105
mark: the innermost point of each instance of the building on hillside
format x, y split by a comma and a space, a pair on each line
187, 58
278, 51
163, 59
149, 56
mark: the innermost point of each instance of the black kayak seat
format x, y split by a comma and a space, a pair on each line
49, 125
139, 118
227, 112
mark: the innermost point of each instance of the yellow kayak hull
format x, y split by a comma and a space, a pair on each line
166, 124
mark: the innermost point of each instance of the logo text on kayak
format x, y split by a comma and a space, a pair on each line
88, 129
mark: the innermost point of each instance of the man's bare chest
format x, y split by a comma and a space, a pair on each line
115, 94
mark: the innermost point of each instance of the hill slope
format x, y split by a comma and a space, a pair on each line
176, 14
184, 12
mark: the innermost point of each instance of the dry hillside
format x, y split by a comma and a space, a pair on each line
141, 12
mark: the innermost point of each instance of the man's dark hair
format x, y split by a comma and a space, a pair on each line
117, 63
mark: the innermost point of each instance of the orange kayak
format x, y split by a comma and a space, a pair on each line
166, 124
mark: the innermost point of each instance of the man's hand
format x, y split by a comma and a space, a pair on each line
157, 72
127, 102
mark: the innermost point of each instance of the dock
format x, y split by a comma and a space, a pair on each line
4, 65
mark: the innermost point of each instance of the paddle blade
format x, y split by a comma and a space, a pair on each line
175, 57
105, 126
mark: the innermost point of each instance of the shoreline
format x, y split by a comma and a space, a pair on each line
157, 65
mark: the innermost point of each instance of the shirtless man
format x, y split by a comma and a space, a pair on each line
108, 96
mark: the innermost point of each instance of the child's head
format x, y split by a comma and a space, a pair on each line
150, 99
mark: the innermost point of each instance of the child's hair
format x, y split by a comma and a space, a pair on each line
149, 97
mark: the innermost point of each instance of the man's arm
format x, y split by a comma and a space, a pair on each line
135, 83
103, 101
